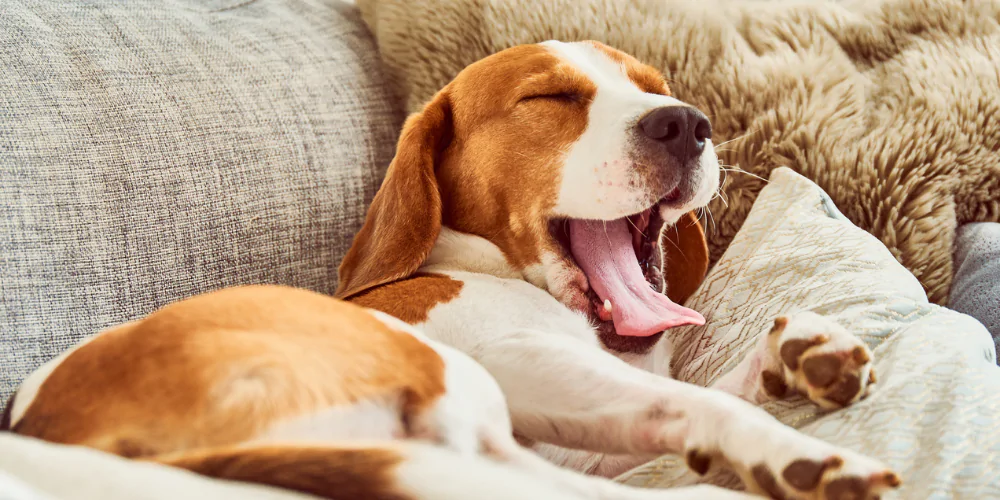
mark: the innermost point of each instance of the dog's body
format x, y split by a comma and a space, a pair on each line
518, 227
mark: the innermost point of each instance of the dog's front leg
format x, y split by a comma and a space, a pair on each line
589, 462
563, 391
503, 448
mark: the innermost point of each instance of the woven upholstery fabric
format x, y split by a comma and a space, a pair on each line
154, 149
933, 415
976, 289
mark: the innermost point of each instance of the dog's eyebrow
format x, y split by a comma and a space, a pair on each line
554, 81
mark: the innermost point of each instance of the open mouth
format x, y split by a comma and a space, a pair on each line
623, 263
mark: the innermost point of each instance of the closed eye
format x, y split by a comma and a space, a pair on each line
565, 97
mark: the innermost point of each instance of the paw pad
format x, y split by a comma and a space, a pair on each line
846, 488
845, 391
793, 349
804, 474
823, 370
774, 384
698, 462
766, 481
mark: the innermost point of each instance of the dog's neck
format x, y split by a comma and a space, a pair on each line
456, 251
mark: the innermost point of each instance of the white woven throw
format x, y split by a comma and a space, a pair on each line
935, 417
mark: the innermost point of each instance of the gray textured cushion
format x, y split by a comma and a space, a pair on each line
153, 149
976, 289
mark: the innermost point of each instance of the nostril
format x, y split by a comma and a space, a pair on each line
702, 130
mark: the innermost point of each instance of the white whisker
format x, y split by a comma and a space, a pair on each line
748, 133
741, 171
672, 243
715, 228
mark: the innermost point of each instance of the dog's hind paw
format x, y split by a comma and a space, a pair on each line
819, 359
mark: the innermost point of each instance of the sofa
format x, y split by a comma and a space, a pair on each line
154, 149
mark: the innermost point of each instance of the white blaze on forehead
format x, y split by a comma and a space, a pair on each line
594, 63
598, 178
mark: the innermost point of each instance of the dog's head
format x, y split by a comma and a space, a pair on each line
569, 157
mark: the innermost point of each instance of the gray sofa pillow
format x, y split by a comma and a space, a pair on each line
153, 149
976, 289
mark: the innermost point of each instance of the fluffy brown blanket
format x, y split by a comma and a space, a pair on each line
891, 106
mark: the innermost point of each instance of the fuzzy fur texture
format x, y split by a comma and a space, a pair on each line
891, 106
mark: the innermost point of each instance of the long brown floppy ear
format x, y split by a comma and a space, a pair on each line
404, 219
685, 257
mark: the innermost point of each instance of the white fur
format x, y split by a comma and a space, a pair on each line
437, 474
597, 170
599, 180
564, 390
364, 420
466, 252
472, 418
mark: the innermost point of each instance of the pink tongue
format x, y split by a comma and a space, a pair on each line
605, 254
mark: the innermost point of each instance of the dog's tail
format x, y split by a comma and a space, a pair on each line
378, 471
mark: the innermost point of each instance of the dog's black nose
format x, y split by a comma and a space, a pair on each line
682, 129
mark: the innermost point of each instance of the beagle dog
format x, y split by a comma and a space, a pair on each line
530, 244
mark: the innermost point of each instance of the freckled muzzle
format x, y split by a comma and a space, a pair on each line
667, 147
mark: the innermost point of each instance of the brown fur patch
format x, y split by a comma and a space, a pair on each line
860, 355
779, 325
5, 419
327, 472
698, 462
774, 384
766, 481
404, 218
220, 368
804, 474
510, 140
685, 261
411, 299
645, 77
464, 162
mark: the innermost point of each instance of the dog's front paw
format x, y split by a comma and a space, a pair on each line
780, 463
808, 468
819, 359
